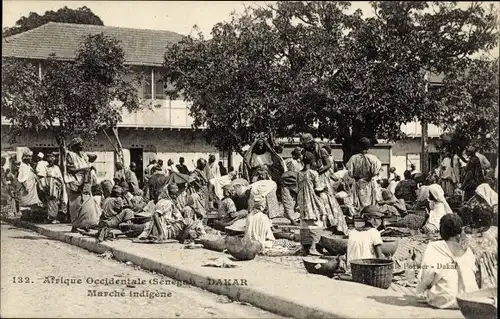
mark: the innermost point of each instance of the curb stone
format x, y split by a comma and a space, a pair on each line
256, 297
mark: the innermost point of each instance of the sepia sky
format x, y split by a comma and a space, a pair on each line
177, 16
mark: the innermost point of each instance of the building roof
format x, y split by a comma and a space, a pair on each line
141, 46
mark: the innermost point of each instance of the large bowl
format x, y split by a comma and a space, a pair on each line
337, 245
478, 304
241, 248
390, 245
319, 266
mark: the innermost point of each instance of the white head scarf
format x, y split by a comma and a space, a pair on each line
438, 194
488, 194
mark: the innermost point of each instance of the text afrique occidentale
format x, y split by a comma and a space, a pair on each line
108, 281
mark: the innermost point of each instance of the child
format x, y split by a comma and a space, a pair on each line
226, 207
366, 242
310, 206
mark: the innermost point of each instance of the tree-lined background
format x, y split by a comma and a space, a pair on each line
315, 66
285, 69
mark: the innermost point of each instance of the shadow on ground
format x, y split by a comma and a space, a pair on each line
404, 301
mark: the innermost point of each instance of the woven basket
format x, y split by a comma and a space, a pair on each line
372, 272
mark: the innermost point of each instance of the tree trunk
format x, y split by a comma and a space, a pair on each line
120, 148
61, 142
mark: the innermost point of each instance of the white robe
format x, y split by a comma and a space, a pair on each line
442, 276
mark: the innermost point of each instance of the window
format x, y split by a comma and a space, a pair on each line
155, 79
159, 86
147, 90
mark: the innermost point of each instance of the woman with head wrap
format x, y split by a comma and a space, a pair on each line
438, 208
83, 208
332, 217
485, 198
261, 154
363, 167
390, 205
366, 242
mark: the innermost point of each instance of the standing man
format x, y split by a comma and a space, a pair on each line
485, 164
363, 167
212, 169
119, 174
413, 170
446, 175
170, 167
181, 167
41, 166
164, 170
222, 169
131, 179
147, 171
393, 175
474, 175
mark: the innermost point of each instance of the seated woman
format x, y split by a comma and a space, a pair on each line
258, 226
168, 222
227, 213
484, 198
114, 213
406, 188
264, 188
438, 208
366, 242
448, 266
345, 199
483, 240
390, 205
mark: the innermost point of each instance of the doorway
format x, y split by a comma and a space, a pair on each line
136, 156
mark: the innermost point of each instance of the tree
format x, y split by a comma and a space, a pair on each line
314, 67
469, 106
73, 98
81, 15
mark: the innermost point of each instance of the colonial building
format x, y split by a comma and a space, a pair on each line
162, 130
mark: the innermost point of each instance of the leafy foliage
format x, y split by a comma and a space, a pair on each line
73, 98
81, 15
469, 107
316, 67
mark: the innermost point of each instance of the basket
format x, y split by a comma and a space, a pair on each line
478, 304
372, 272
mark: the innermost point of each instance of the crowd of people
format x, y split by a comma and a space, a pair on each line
175, 203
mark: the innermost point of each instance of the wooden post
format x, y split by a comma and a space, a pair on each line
229, 158
424, 151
